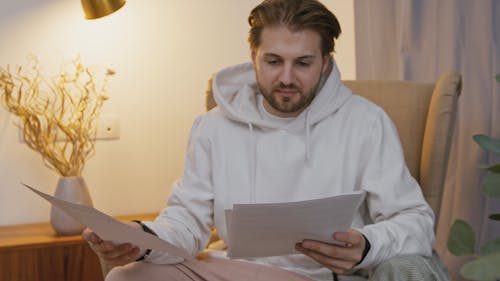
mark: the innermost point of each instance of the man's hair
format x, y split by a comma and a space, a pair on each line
295, 15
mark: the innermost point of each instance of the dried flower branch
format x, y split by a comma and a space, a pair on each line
58, 118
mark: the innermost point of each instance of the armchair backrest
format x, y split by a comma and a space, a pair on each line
424, 115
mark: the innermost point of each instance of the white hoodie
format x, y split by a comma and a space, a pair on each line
341, 143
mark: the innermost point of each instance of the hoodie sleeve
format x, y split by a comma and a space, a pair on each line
402, 219
187, 220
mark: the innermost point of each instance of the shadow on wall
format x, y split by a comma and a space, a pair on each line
9, 9
5, 121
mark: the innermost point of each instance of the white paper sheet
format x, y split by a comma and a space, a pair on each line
109, 229
260, 230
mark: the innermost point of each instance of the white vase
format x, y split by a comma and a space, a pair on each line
74, 190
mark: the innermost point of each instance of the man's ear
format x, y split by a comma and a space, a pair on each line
327, 65
253, 56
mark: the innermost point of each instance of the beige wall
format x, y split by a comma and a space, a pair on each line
163, 52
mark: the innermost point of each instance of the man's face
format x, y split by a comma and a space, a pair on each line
288, 66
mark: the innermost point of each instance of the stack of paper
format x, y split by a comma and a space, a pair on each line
260, 230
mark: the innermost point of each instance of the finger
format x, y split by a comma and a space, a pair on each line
90, 236
119, 250
335, 265
95, 239
103, 247
123, 259
126, 258
350, 238
331, 251
86, 234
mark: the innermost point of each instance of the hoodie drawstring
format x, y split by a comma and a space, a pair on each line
253, 163
308, 137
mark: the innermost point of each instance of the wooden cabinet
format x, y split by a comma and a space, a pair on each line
32, 252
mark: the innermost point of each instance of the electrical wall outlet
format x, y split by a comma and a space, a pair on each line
108, 128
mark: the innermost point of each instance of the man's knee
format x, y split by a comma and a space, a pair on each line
117, 273
410, 268
130, 272
139, 271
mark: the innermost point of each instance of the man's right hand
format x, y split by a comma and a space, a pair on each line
110, 253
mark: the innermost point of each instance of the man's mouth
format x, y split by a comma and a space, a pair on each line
286, 92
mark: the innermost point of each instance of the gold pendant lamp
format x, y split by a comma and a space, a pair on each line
94, 9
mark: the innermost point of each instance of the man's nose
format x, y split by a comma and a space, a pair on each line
287, 76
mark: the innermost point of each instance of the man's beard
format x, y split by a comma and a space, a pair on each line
286, 105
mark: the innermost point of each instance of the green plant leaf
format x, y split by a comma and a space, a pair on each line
495, 217
491, 185
461, 239
494, 168
488, 143
485, 268
498, 77
491, 247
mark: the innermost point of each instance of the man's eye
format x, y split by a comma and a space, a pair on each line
304, 64
273, 62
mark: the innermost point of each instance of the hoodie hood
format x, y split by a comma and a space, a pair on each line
235, 92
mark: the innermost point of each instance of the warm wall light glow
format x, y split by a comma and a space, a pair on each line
94, 9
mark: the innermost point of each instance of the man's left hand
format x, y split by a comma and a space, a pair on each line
338, 258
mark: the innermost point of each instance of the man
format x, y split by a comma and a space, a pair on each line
286, 129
